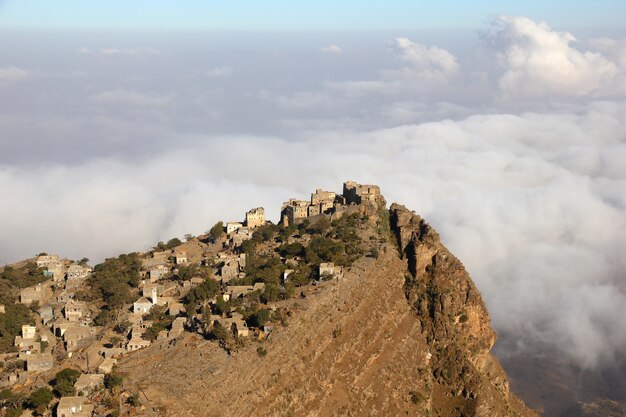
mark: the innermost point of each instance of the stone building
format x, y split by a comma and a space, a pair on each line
74, 407
356, 193
46, 313
293, 211
39, 362
242, 234
44, 261
75, 310
329, 269
153, 291
106, 367
158, 258
323, 200
29, 332
77, 272
142, 306
157, 273
255, 217
175, 308
229, 270
136, 343
32, 294
233, 226
78, 336
180, 258
26, 344
234, 292
232, 266
86, 384
235, 324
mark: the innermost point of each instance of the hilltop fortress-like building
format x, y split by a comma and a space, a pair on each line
295, 211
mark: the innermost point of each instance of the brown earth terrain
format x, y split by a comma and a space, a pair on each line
404, 334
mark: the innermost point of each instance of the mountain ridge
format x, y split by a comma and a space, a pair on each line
347, 308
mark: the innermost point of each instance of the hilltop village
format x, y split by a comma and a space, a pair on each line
64, 325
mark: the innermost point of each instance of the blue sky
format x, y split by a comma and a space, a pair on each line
289, 15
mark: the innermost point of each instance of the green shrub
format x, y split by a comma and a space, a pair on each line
172, 243
24, 276
114, 279
259, 318
113, 380
11, 323
217, 231
64, 382
291, 249
219, 332
40, 397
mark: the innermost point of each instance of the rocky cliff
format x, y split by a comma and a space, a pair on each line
404, 332
467, 379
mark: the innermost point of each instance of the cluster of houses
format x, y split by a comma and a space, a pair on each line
69, 322
294, 211
78, 405
60, 314
63, 273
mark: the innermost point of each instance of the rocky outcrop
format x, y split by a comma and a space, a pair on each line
467, 379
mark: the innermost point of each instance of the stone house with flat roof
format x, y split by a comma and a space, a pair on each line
106, 367
74, 407
75, 310
39, 362
157, 272
43, 261
142, 306
36, 293
232, 227
180, 258
76, 274
87, 384
136, 343
330, 269
78, 337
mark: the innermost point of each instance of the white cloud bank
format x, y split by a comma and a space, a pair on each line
428, 61
541, 62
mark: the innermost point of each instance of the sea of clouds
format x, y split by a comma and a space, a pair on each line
511, 142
